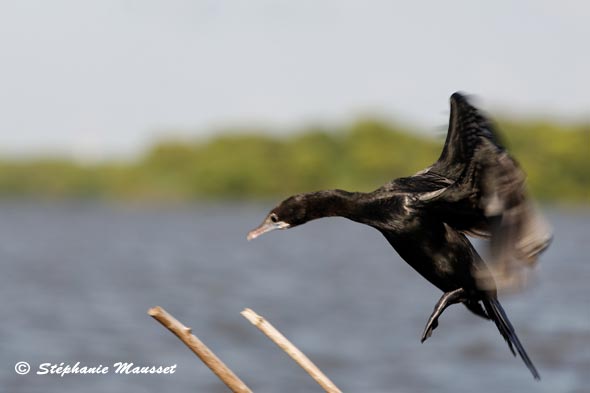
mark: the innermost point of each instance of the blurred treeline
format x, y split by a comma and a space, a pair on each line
249, 165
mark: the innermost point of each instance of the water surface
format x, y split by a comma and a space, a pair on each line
76, 281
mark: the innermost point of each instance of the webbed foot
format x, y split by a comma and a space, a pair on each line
446, 300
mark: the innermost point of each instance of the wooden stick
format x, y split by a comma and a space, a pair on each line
200, 349
299, 357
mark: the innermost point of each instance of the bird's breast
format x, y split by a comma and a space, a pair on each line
443, 258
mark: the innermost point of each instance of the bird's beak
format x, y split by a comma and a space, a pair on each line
265, 227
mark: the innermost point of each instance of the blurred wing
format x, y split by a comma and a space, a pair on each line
488, 197
519, 234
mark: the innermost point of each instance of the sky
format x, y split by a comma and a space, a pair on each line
97, 79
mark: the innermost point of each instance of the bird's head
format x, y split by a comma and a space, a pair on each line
288, 214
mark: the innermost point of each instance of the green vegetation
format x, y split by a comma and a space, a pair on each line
253, 165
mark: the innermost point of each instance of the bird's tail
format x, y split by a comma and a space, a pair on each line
496, 313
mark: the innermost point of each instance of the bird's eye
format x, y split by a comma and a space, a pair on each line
274, 218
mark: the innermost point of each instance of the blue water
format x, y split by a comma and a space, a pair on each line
77, 279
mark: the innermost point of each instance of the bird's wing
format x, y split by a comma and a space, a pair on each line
488, 197
467, 128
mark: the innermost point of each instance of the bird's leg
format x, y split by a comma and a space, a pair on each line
446, 300
475, 307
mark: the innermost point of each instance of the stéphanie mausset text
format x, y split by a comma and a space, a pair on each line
126, 368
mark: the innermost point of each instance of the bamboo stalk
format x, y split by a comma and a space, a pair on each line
299, 357
200, 349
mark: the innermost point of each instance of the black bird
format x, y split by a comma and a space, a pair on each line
475, 188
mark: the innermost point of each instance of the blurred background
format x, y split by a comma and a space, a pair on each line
141, 140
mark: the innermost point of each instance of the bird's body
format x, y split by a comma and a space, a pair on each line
440, 253
475, 188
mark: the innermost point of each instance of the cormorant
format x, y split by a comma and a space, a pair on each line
475, 188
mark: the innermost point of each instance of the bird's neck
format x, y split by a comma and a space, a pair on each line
334, 203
